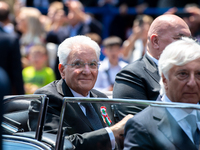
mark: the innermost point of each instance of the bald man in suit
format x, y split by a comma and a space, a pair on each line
140, 79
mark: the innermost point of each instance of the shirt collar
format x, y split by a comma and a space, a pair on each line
165, 98
177, 113
155, 60
77, 94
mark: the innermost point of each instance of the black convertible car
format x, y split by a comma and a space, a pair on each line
15, 127
17, 110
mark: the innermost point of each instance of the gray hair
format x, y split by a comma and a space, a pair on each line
177, 53
67, 46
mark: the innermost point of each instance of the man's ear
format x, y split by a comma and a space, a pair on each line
164, 80
155, 41
61, 70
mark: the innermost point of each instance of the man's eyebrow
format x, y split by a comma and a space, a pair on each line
77, 60
182, 70
94, 60
180, 34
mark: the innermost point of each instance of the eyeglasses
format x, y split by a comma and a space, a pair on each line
80, 64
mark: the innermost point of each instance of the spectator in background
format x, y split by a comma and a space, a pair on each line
140, 79
55, 16
135, 46
37, 74
53, 21
123, 21
10, 58
193, 19
29, 24
97, 38
7, 26
111, 64
191, 15
78, 23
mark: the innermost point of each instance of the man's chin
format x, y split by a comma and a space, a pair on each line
86, 87
191, 100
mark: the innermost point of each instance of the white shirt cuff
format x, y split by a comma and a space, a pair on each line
112, 137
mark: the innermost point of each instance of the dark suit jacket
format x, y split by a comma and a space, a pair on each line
138, 80
10, 61
80, 132
154, 129
4, 90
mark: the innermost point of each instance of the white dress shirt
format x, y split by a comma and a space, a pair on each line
155, 60
180, 116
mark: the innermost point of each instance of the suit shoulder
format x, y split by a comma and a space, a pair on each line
98, 93
132, 70
49, 88
145, 113
136, 64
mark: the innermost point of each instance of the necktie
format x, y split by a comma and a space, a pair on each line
194, 129
92, 116
196, 138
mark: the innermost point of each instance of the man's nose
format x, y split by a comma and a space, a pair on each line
86, 69
192, 81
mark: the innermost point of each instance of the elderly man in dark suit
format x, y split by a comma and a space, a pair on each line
79, 61
169, 128
10, 57
140, 79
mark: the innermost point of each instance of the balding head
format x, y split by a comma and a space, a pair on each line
164, 30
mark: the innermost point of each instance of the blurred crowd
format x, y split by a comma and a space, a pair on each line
29, 38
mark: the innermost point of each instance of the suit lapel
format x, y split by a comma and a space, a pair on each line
81, 114
64, 90
97, 107
151, 68
171, 129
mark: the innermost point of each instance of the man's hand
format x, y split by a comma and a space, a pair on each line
118, 129
77, 9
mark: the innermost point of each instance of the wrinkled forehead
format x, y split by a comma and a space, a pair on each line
82, 52
192, 65
174, 31
182, 30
